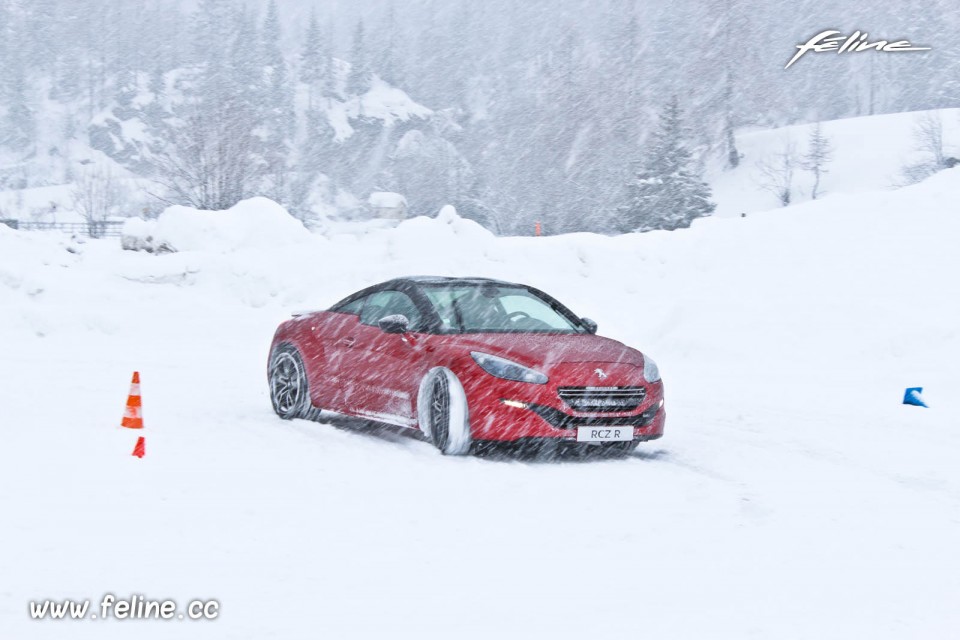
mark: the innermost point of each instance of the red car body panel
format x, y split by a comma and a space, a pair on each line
360, 370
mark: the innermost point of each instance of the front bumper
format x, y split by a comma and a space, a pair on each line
537, 411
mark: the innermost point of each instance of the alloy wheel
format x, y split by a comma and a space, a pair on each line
286, 385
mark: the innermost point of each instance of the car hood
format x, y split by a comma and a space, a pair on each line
545, 349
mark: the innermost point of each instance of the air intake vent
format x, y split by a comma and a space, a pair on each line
602, 399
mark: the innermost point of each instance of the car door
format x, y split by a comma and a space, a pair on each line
385, 366
336, 334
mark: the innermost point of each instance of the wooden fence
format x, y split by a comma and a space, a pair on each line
92, 229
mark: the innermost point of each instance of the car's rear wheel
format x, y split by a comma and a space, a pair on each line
442, 412
289, 392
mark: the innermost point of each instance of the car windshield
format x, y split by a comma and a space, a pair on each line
490, 308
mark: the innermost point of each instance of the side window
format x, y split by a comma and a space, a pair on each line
353, 308
404, 305
373, 310
443, 302
388, 303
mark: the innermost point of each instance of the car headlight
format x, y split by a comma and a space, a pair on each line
651, 373
507, 369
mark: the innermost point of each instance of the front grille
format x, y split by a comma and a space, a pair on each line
560, 420
602, 399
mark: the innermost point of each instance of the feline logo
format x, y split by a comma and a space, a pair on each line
600, 373
830, 41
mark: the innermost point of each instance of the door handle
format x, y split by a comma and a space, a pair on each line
347, 342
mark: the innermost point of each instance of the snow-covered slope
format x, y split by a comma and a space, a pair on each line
870, 153
121, 138
793, 496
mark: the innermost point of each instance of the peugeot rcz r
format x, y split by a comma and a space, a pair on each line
467, 361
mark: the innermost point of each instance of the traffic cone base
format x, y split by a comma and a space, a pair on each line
140, 449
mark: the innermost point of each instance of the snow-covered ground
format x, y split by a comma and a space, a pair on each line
792, 496
869, 154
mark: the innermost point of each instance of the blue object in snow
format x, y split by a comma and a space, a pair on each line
912, 396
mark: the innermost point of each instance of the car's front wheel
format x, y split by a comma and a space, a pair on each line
289, 393
442, 412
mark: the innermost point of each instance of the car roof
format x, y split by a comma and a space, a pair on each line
416, 283
430, 280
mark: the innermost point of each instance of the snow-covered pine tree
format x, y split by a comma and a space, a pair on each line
819, 154
730, 145
667, 191
209, 155
358, 82
314, 65
389, 55
17, 121
276, 85
18, 130
157, 82
247, 65
6, 29
246, 73
329, 87
279, 122
316, 143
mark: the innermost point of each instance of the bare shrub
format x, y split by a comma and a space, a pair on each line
776, 173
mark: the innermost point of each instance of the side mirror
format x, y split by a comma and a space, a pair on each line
394, 324
589, 324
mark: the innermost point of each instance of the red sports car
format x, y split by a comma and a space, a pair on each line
467, 361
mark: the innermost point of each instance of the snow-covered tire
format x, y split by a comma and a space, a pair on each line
289, 393
442, 412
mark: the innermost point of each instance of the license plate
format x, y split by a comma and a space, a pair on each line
604, 434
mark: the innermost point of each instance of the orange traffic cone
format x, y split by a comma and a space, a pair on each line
133, 415
140, 449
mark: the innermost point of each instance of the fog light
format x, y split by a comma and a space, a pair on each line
516, 404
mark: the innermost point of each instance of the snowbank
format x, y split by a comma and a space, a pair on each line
258, 223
